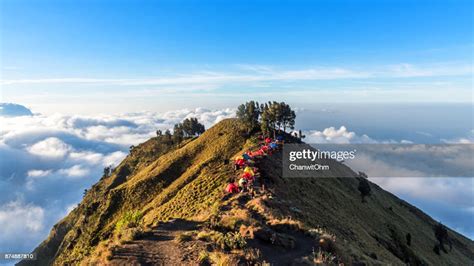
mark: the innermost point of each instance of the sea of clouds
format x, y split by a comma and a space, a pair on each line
47, 161
450, 200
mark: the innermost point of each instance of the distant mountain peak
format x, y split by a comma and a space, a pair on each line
13, 109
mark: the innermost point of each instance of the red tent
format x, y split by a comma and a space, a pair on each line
232, 188
248, 176
240, 162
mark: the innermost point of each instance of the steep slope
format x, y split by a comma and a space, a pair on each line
287, 223
373, 232
141, 185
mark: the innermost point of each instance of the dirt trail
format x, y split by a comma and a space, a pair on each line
159, 247
276, 255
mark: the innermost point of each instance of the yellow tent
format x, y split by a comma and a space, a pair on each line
249, 170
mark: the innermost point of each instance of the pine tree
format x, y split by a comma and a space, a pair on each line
190, 127
249, 114
288, 117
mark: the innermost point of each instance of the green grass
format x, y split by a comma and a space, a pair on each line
128, 220
224, 241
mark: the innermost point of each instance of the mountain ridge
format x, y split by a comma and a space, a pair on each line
186, 181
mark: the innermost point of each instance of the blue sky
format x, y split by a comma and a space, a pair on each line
214, 53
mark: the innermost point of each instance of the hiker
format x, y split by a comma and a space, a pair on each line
243, 184
232, 188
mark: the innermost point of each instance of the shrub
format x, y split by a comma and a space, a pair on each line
441, 234
232, 221
408, 238
315, 232
203, 257
436, 249
224, 241
204, 235
130, 234
128, 220
222, 259
323, 257
184, 237
253, 254
234, 241
364, 188
327, 242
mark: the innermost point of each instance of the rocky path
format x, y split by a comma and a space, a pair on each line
159, 247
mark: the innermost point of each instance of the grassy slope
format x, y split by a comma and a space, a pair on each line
157, 187
184, 182
378, 226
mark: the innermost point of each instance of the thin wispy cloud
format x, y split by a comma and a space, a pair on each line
257, 73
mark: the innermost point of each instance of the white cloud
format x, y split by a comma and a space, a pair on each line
255, 73
17, 217
48, 161
390, 158
75, 171
113, 158
342, 135
87, 156
469, 139
407, 170
444, 69
122, 129
455, 191
38, 173
374, 167
333, 135
50, 147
